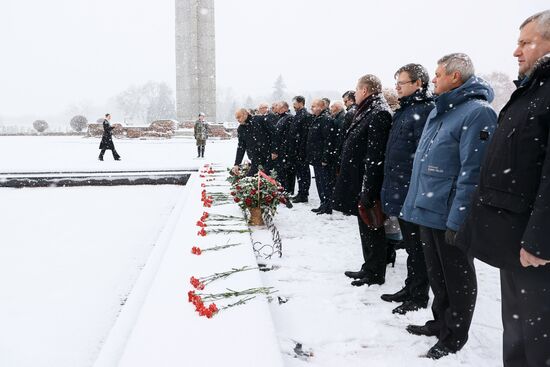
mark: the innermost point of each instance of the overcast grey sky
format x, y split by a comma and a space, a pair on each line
58, 52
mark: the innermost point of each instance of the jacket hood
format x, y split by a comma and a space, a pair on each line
473, 88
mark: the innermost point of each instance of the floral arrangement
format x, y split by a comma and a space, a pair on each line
259, 191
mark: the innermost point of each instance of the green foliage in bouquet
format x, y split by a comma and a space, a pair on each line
258, 191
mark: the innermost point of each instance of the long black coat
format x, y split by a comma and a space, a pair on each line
302, 122
362, 161
408, 123
321, 140
346, 123
284, 138
255, 140
107, 139
511, 208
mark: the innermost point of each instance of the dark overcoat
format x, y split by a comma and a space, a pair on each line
511, 208
362, 158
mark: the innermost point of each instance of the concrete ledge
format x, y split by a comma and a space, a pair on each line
67, 179
168, 332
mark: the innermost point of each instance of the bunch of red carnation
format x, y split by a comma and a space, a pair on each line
197, 284
196, 250
206, 199
202, 232
196, 300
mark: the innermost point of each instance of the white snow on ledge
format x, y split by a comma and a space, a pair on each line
168, 331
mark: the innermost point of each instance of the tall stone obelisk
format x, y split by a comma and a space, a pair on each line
195, 59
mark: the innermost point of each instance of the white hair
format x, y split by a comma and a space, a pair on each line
458, 62
542, 21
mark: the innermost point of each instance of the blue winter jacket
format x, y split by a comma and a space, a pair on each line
447, 161
407, 127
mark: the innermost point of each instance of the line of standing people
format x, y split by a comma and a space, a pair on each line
463, 182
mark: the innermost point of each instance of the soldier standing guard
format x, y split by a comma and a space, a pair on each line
201, 134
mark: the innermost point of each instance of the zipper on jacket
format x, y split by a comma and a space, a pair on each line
433, 138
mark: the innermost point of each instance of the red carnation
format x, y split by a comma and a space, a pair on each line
202, 232
248, 201
238, 188
268, 199
236, 199
205, 214
196, 250
233, 193
253, 192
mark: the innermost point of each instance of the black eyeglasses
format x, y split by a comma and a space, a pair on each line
400, 84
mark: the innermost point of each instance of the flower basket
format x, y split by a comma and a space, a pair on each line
259, 194
255, 217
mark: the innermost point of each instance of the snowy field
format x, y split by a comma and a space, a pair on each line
69, 257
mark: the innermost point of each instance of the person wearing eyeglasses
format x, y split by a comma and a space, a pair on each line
416, 102
445, 173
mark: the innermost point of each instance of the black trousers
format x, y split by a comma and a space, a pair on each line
200, 150
286, 174
526, 316
452, 276
303, 174
374, 246
324, 180
115, 154
416, 284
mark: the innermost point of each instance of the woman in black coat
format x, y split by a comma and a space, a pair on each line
361, 174
107, 139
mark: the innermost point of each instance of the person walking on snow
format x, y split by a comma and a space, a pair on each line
107, 139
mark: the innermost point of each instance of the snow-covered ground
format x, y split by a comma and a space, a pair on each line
69, 257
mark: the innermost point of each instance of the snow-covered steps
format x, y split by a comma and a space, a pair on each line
163, 329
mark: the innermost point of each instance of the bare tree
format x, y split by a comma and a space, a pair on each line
40, 125
146, 103
502, 85
79, 123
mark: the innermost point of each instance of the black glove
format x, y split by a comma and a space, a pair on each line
450, 236
366, 200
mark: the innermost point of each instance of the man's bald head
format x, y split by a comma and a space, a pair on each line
241, 115
317, 106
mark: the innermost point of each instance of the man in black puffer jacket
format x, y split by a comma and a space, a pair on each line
509, 222
361, 174
416, 102
254, 140
321, 148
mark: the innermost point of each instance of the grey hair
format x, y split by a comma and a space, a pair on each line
372, 82
542, 21
458, 62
